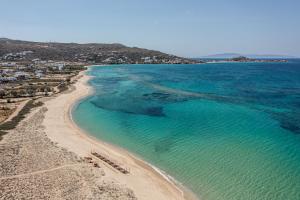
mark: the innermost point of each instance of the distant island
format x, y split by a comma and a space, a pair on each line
245, 59
252, 56
241, 59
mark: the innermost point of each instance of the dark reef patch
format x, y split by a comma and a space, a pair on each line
289, 121
290, 126
154, 111
165, 97
157, 95
163, 145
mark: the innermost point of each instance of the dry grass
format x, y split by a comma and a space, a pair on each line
33, 167
4, 127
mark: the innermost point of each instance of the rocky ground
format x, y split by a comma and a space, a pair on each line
33, 167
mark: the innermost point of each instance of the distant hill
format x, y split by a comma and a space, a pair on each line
90, 52
223, 56
253, 56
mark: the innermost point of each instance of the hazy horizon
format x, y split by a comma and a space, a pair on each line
190, 29
200, 56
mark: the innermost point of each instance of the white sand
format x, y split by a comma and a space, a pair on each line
145, 182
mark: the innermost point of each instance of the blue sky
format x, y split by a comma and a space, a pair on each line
182, 27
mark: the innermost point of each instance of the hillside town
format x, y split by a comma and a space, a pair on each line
90, 53
21, 81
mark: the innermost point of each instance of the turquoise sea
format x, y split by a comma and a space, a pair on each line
227, 131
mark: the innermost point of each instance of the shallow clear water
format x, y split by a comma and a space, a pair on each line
227, 131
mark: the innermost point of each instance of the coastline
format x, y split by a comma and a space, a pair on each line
146, 181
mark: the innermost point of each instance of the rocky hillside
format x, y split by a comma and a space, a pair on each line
15, 50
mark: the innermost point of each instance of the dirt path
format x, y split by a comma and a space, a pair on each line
16, 112
39, 172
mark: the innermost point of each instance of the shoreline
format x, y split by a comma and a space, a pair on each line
146, 180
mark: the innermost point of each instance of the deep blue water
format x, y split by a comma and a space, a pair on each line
225, 130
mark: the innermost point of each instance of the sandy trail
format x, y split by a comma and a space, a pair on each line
39, 172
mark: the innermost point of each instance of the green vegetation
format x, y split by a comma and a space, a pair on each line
62, 87
241, 59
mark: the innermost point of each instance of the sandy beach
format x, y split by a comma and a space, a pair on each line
143, 180
46, 156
